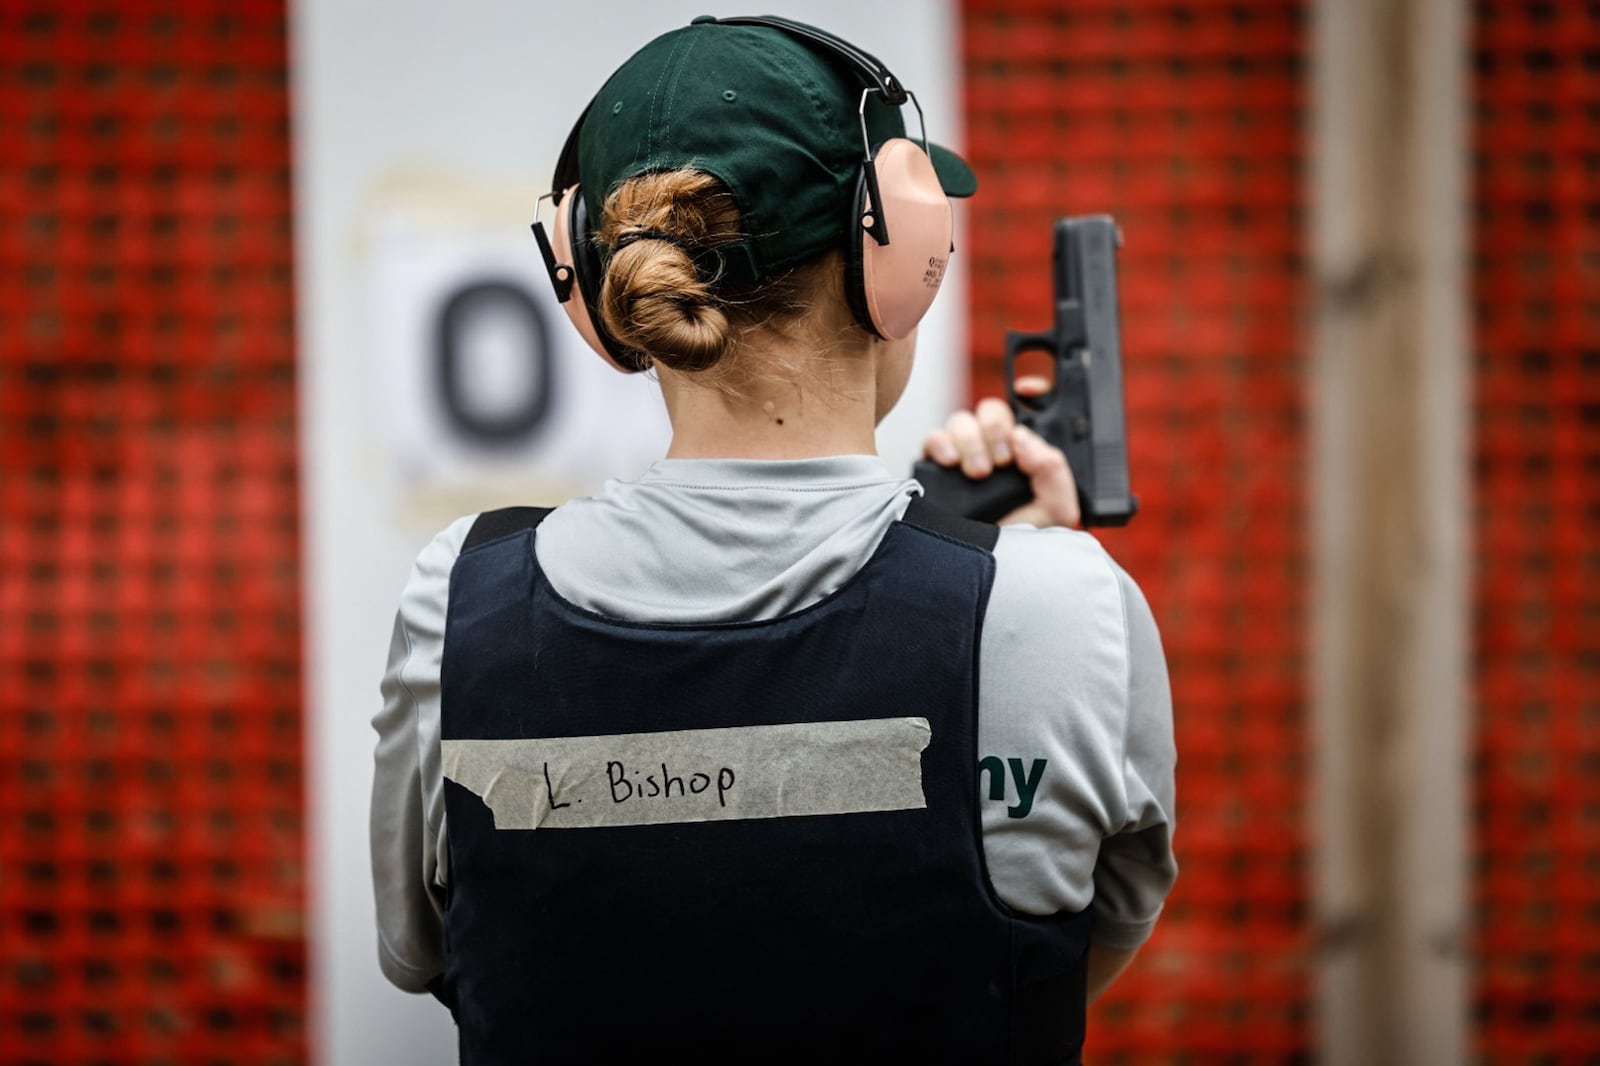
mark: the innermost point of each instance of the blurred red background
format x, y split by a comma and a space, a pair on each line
152, 834
151, 817
1187, 123
1536, 629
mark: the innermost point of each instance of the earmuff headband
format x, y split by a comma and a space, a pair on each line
869, 65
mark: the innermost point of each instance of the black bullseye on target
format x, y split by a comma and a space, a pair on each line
457, 359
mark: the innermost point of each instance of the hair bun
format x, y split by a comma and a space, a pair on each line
655, 298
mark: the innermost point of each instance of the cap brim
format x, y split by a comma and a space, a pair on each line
955, 177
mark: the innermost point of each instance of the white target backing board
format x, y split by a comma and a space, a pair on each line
487, 390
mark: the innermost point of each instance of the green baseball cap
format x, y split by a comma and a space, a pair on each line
775, 113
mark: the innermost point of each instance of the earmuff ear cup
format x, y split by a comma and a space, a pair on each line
891, 286
573, 245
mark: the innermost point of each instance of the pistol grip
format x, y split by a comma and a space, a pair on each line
986, 499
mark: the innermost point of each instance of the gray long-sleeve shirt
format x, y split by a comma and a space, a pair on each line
1075, 716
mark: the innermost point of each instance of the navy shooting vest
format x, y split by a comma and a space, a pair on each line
737, 842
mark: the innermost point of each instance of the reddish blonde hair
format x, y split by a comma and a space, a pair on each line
656, 299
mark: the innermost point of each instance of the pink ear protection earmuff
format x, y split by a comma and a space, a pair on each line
891, 281
900, 238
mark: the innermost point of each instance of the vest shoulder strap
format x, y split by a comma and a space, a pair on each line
934, 519
492, 525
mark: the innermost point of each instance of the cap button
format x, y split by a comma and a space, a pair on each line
701, 20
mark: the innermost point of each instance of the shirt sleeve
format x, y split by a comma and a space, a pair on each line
1136, 868
407, 820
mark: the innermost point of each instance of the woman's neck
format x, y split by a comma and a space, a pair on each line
766, 405
784, 419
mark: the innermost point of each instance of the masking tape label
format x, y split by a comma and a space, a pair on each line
695, 775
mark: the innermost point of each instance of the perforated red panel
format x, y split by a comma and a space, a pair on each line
1537, 635
151, 901
1186, 123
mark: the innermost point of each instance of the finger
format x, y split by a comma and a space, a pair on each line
1031, 385
968, 438
995, 420
941, 448
1055, 492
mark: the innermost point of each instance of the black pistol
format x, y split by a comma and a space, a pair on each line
1083, 412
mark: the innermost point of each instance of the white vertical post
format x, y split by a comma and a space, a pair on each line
1391, 511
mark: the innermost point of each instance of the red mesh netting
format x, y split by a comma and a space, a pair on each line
1186, 123
151, 842
1536, 302
150, 813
